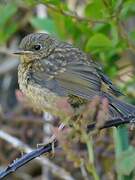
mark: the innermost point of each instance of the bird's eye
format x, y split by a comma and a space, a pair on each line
37, 47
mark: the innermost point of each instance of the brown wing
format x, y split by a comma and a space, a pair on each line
75, 78
111, 87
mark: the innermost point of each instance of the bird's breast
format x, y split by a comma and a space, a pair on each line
39, 96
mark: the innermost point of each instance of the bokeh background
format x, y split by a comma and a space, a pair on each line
105, 29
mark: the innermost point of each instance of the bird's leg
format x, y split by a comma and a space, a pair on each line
52, 139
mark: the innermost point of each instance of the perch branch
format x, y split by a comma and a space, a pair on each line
111, 123
32, 154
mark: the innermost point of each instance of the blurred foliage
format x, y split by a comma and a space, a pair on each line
7, 24
103, 28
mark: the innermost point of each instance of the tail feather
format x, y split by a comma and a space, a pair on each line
119, 109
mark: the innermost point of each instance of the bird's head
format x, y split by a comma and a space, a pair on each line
36, 46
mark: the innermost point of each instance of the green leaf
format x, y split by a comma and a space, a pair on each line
125, 163
68, 28
44, 24
95, 9
7, 24
6, 12
116, 4
98, 42
10, 30
55, 2
128, 9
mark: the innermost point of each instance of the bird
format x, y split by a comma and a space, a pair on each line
60, 78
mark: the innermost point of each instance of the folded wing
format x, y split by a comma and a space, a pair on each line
75, 78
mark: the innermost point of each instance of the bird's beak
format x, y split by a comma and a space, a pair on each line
22, 52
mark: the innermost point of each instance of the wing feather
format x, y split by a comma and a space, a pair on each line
77, 78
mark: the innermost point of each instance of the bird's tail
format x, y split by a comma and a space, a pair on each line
119, 109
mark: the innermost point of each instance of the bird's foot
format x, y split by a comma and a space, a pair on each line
52, 140
49, 141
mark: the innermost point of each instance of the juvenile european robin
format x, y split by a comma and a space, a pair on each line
58, 77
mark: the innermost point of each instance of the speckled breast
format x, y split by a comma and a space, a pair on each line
42, 98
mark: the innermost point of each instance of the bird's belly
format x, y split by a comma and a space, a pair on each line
41, 98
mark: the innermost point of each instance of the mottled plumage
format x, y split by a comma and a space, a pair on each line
51, 70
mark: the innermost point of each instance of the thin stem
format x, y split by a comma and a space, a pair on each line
121, 144
91, 168
74, 15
